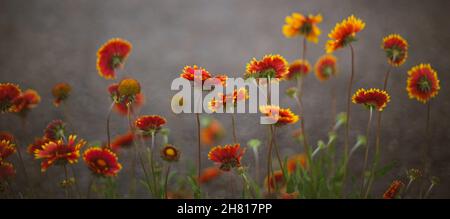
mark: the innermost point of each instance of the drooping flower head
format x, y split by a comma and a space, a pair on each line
393, 190
371, 98
279, 116
7, 171
209, 174
26, 101
55, 130
189, 73
326, 67
122, 141
102, 161
298, 24
59, 152
37, 144
344, 33
170, 153
275, 180
298, 68
120, 102
422, 83
270, 66
129, 87
8, 93
296, 161
396, 49
228, 156
6, 149
225, 100
112, 56
150, 123
61, 92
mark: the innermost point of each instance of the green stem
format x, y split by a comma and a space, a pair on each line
233, 123
166, 180
199, 162
108, 118
366, 154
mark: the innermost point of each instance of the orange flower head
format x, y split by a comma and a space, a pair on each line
61, 92
326, 67
296, 160
150, 123
112, 56
209, 174
298, 68
8, 93
396, 49
372, 98
228, 100
228, 156
298, 24
55, 130
279, 115
4, 135
121, 102
275, 181
211, 132
122, 141
222, 79
102, 161
7, 171
189, 73
129, 87
58, 152
270, 66
344, 33
26, 101
170, 153
37, 144
6, 149
422, 83
393, 190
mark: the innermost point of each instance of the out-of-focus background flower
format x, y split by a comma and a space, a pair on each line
49, 41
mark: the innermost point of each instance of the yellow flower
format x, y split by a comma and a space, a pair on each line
344, 33
298, 24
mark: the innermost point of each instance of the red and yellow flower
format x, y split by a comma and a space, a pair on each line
209, 174
275, 180
422, 83
26, 101
344, 33
326, 67
228, 100
61, 92
4, 135
55, 130
7, 171
393, 190
58, 152
120, 102
122, 141
8, 93
6, 149
37, 144
102, 161
170, 153
211, 132
298, 68
189, 73
270, 66
298, 24
372, 98
296, 160
279, 116
396, 49
112, 56
150, 123
228, 156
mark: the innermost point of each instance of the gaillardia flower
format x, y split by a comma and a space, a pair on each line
344, 33
102, 161
296, 160
325, 67
170, 153
6, 149
228, 100
270, 66
150, 123
298, 24
129, 87
7, 171
55, 130
26, 101
112, 56
228, 156
275, 180
209, 174
120, 102
37, 144
211, 131
278, 115
122, 141
396, 49
189, 73
298, 68
393, 190
422, 83
371, 98
61, 92
4, 135
8, 93
58, 152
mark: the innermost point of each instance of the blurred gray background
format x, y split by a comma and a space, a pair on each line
49, 41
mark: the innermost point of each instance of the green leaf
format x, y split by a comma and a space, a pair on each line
385, 169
